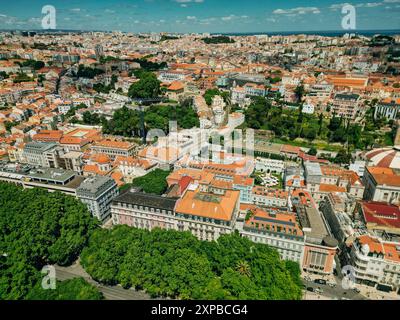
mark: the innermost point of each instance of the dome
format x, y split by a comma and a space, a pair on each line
330, 242
384, 157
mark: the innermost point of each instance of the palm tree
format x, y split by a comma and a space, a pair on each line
243, 268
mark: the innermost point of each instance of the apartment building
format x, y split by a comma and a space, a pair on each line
48, 136
245, 186
42, 154
380, 218
207, 215
97, 192
144, 211
346, 105
113, 148
131, 167
279, 230
173, 75
323, 179
376, 262
263, 196
321, 92
320, 248
269, 165
388, 108
382, 185
337, 209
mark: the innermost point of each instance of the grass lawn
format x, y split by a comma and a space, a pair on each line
320, 145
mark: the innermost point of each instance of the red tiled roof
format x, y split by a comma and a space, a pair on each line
380, 213
184, 182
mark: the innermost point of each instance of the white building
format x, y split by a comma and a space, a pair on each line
205, 215
269, 165
376, 261
42, 154
97, 192
308, 108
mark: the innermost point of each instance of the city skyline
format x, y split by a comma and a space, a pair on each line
187, 16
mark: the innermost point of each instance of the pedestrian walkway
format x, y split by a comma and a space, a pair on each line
315, 296
374, 294
329, 278
109, 292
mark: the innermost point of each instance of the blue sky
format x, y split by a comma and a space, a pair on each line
200, 15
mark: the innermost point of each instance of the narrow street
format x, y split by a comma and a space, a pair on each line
109, 292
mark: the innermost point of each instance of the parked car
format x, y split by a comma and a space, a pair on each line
311, 289
332, 285
356, 290
320, 281
319, 290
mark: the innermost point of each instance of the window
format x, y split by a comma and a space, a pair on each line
385, 196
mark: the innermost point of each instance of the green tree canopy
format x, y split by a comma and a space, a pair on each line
147, 87
38, 228
178, 265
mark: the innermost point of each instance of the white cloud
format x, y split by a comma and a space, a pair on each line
338, 6
189, 1
369, 5
233, 17
296, 11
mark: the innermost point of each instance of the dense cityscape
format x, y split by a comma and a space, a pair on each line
199, 166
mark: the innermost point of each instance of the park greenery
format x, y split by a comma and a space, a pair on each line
104, 60
169, 263
10, 124
165, 37
36, 65
102, 88
211, 93
218, 40
4, 75
88, 72
153, 182
148, 66
126, 121
37, 228
22, 77
72, 111
73, 289
291, 123
148, 86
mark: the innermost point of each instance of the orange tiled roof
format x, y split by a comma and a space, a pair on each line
176, 86
263, 191
209, 205
100, 158
384, 176
114, 144
330, 188
285, 220
290, 149
92, 168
